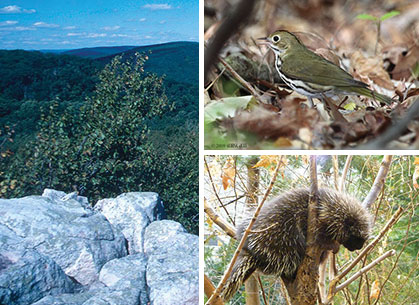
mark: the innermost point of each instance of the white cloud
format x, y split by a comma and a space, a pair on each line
14, 9
71, 27
23, 28
41, 24
153, 7
147, 37
111, 28
142, 19
74, 34
119, 35
8, 22
94, 35
163, 22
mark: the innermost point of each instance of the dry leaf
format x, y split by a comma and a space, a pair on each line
375, 290
371, 69
228, 173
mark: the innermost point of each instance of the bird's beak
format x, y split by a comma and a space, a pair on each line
263, 40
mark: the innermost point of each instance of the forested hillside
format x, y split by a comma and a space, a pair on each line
102, 126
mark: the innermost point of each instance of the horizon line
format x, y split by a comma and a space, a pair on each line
113, 46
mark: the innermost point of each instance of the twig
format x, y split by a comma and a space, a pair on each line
209, 289
344, 173
215, 191
378, 182
395, 131
241, 80
213, 82
364, 252
228, 28
225, 226
365, 269
223, 281
263, 291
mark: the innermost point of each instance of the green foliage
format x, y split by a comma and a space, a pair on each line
112, 144
382, 18
31, 80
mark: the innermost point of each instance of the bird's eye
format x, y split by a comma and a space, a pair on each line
276, 38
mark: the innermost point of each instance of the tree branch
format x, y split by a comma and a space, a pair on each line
223, 281
365, 269
378, 182
224, 225
367, 249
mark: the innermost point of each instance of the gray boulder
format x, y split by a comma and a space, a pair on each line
132, 213
77, 239
173, 264
26, 275
66, 299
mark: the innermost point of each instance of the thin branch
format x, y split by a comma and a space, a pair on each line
378, 182
345, 172
209, 290
224, 225
241, 79
365, 269
395, 131
363, 253
335, 164
223, 281
215, 191
263, 290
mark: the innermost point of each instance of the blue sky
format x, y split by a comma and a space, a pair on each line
70, 24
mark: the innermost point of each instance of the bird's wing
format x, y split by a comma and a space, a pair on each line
317, 70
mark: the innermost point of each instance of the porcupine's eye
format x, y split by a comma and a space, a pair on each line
354, 243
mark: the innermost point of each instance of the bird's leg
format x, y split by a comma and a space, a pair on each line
311, 102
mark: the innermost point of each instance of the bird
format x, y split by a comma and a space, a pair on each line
310, 74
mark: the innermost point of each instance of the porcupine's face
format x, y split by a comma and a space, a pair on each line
343, 219
357, 231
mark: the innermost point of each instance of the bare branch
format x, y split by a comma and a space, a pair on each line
209, 290
378, 182
241, 80
223, 281
367, 249
224, 225
215, 191
365, 269
395, 131
344, 173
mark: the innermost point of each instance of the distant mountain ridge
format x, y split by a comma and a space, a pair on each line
97, 52
178, 61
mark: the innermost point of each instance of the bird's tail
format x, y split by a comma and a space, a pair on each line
372, 94
242, 269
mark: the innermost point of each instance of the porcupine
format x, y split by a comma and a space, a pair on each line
277, 242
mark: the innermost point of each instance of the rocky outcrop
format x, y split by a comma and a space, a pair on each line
77, 239
172, 272
55, 249
25, 274
131, 213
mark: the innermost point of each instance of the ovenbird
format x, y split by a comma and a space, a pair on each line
310, 74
